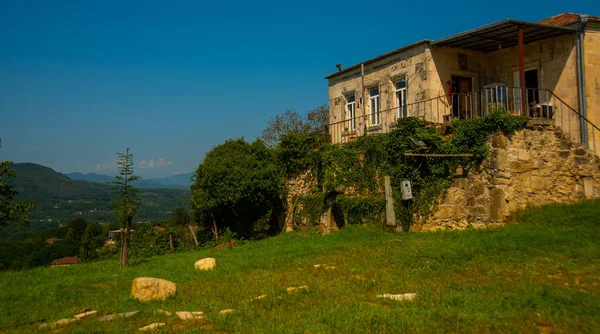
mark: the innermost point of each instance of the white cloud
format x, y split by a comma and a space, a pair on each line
155, 163
106, 165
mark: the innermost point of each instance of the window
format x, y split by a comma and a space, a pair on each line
400, 97
374, 105
350, 112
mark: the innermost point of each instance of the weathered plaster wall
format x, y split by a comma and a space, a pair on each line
535, 167
591, 47
410, 64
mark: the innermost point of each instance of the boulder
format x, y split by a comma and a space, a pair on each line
208, 263
62, 322
148, 288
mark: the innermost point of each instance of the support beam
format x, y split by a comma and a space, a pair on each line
522, 72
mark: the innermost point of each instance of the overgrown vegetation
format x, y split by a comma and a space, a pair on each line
358, 167
540, 274
237, 186
10, 209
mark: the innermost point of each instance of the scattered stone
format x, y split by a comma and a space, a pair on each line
62, 322
316, 265
113, 316
151, 326
42, 326
291, 290
86, 314
329, 267
208, 263
404, 296
258, 298
185, 315
226, 311
167, 313
148, 288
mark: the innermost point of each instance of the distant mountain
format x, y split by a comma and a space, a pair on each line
180, 181
90, 177
61, 199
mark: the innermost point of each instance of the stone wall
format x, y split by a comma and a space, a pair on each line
536, 166
301, 185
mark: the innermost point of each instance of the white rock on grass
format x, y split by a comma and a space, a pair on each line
403, 296
151, 326
208, 263
160, 311
298, 289
113, 316
149, 288
258, 298
62, 322
226, 312
86, 314
185, 315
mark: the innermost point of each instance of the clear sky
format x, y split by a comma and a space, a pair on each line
82, 80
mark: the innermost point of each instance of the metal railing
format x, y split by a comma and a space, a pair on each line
540, 104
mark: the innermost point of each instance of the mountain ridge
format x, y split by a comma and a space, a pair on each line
178, 181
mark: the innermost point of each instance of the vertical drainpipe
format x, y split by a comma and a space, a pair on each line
581, 80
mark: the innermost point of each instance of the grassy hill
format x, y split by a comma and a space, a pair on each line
60, 199
541, 274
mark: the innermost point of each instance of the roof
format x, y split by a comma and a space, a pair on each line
51, 240
566, 19
372, 60
501, 34
492, 36
65, 260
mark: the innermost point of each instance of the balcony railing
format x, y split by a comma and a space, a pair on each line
540, 104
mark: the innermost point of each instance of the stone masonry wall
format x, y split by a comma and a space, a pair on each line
536, 166
301, 185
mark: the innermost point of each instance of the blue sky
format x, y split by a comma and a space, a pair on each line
82, 80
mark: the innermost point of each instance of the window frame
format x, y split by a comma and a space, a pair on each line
400, 92
374, 118
350, 114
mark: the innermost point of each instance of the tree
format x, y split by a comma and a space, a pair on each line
315, 122
181, 216
126, 203
11, 210
237, 184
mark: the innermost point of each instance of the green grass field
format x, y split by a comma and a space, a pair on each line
539, 274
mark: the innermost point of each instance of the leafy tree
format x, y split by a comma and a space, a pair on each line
11, 210
90, 241
181, 216
314, 122
126, 203
237, 184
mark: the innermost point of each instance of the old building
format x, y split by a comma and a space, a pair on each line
548, 70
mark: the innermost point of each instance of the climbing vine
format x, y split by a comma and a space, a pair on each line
358, 167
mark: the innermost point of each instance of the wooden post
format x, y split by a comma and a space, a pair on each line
364, 103
522, 72
390, 215
194, 236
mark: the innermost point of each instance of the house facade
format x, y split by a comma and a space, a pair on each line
548, 70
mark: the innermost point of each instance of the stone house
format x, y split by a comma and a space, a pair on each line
549, 70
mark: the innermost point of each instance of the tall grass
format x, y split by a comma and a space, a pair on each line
541, 273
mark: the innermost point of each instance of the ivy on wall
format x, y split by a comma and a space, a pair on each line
358, 167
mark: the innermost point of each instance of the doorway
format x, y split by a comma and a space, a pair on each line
461, 87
